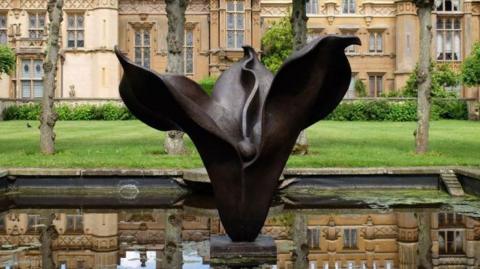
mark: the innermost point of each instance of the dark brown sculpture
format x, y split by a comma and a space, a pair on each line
246, 130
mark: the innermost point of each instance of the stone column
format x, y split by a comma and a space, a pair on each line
406, 27
407, 240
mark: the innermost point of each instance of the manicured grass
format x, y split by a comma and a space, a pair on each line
122, 144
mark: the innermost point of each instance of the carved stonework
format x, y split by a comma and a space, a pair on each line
78, 4
277, 232
5, 4
406, 8
408, 234
141, 6
197, 6
371, 9
106, 3
274, 11
33, 4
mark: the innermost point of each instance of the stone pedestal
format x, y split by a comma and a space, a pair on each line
224, 252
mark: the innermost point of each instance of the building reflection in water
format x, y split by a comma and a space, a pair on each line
136, 239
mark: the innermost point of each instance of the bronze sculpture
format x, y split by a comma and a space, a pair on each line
246, 130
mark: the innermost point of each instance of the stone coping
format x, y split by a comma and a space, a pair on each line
200, 174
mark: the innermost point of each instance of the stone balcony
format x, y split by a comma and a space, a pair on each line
29, 45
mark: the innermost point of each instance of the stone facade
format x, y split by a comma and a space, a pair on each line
214, 33
334, 240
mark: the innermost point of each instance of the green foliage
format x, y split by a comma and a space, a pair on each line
383, 110
207, 84
7, 59
471, 67
360, 88
443, 76
277, 44
108, 111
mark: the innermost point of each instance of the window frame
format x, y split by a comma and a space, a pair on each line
444, 249
4, 28
314, 237
443, 5
312, 5
376, 91
375, 48
38, 29
441, 55
31, 78
350, 242
349, 7
186, 48
143, 46
76, 30
236, 30
78, 224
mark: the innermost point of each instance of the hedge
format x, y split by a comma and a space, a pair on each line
383, 110
107, 111
358, 110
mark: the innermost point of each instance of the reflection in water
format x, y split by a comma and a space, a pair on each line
329, 239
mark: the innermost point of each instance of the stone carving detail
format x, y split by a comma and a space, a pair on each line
5, 4
141, 6
33, 4
78, 4
82, 241
198, 6
377, 10
277, 232
274, 11
408, 235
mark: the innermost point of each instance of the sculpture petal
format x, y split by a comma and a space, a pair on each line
241, 90
166, 102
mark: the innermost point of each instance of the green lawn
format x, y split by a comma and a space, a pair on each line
122, 144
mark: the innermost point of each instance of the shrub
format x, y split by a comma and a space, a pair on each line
7, 59
360, 88
443, 76
277, 44
207, 84
108, 111
384, 110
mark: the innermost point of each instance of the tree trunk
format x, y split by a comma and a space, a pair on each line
174, 144
48, 116
173, 240
424, 241
47, 236
424, 76
299, 237
299, 24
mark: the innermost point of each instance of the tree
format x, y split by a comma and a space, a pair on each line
443, 76
277, 44
7, 60
299, 27
470, 74
424, 11
48, 116
174, 144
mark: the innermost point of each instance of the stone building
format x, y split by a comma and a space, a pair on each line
335, 241
215, 30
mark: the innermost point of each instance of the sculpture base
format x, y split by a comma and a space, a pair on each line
224, 252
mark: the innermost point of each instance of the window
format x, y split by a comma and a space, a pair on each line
312, 265
188, 52
375, 44
36, 25
450, 241
3, 29
313, 238
142, 47
74, 224
350, 238
351, 265
75, 31
351, 88
450, 219
448, 39
33, 224
447, 5
235, 24
388, 264
325, 265
348, 6
312, 7
32, 78
375, 85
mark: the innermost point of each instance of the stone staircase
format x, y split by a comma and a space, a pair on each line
454, 188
